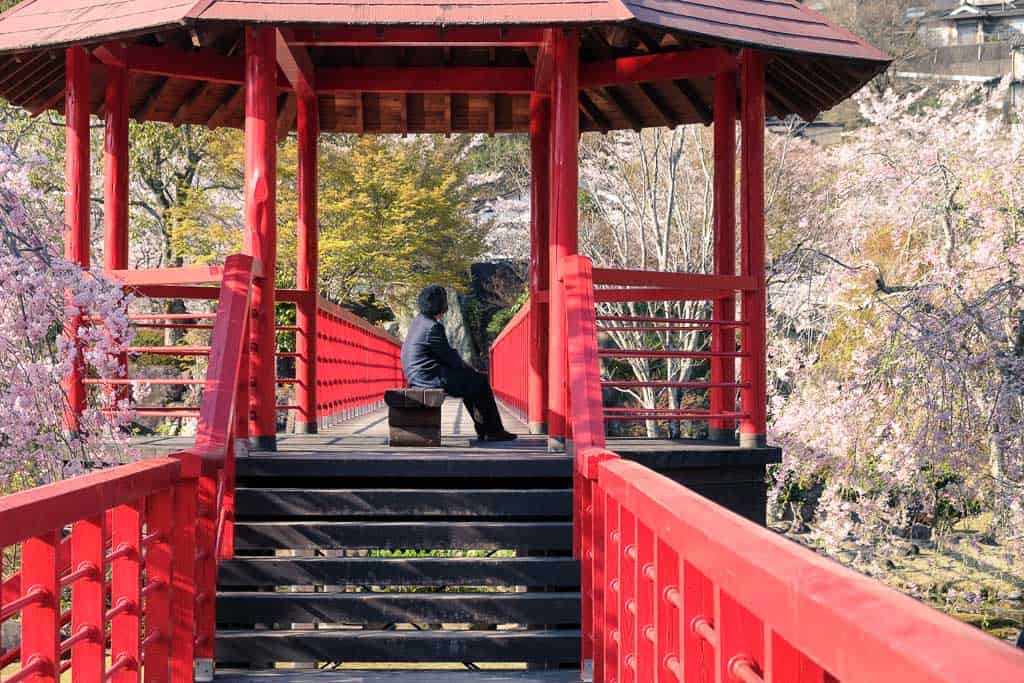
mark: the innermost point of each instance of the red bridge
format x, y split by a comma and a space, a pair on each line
289, 557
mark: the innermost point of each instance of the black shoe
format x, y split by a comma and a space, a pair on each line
499, 436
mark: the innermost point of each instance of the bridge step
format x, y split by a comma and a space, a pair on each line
408, 676
303, 502
556, 572
452, 463
530, 536
398, 608
536, 647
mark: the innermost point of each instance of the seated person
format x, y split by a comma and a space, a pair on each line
430, 362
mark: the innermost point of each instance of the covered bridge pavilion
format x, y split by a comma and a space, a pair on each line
607, 568
550, 68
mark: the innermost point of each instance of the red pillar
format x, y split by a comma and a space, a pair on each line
754, 397
115, 175
564, 219
307, 268
723, 339
540, 182
76, 200
261, 227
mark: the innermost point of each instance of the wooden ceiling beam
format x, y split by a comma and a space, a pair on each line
449, 116
690, 94
185, 108
669, 117
230, 102
508, 80
625, 108
143, 112
420, 37
360, 113
594, 112
27, 68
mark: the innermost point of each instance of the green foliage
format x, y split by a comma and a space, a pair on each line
502, 318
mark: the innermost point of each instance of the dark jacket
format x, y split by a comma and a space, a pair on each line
427, 357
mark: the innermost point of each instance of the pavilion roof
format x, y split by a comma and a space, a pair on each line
817, 64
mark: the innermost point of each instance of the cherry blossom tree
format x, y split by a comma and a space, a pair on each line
39, 294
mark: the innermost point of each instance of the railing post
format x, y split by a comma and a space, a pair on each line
76, 206
159, 525
261, 226
88, 599
723, 338
40, 620
307, 271
183, 595
126, 592
540, 222
753, 429
564, 207
206, 576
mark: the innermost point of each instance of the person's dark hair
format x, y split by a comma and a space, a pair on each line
433, 301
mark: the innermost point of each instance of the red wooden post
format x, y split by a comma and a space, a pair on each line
115, 189
126, 592
599, 586
76, 201
613, 590
564, 207
540, 220
723, 338
307, 270
206, 576
88, 599
261, 226
627, 596
40, 620
753, 428
183, 594
668, 601
159, 524
646, 666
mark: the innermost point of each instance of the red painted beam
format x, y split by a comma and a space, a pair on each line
296, 65
652, 68
690, 282
162, 61
423, 79
425, 37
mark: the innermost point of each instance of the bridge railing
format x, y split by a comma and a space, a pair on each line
677, 588
509, 367
158, 527
356, 363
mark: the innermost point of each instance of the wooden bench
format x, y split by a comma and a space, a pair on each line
414, 416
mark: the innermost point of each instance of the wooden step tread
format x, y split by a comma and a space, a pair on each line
408, 676
415, 464
404, 535
257, 647
413, 571
398, 608
304, 502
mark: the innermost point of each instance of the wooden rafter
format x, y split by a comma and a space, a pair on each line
594, 112
668, 116
185, 108
231, 101
145, 110
690, 94
287, 114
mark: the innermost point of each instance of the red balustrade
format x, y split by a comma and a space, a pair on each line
356, 363
157, 528
677, 588
509, 367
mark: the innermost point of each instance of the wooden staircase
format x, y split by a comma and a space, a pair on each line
375, 556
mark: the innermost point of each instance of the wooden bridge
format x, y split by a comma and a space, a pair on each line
566, 556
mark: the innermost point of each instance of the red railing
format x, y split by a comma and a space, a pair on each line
157, 527
356, 363
676, 588
508, 365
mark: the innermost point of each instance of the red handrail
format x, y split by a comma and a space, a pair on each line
510, 352
168, 520
677, 588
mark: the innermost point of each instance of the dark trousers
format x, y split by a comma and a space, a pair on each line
474, 389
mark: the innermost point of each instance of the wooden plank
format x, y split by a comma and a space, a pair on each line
397, 608
399, 677
559, 572
399, 646
405, 535
403, 463
415, 503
